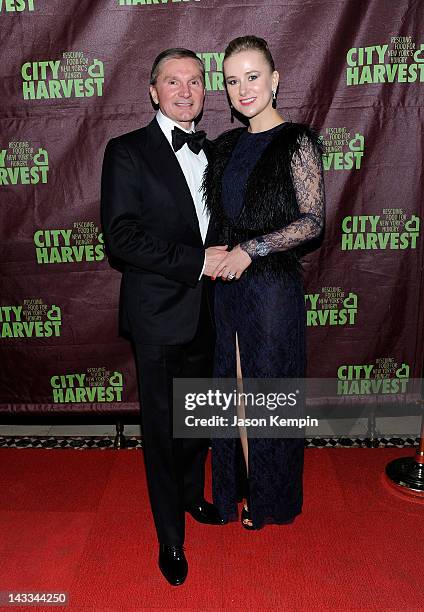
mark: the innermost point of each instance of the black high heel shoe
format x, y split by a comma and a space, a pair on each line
246, 515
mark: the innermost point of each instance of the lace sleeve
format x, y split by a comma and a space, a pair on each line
308, 183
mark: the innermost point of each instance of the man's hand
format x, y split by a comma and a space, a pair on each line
232, 265
214, 256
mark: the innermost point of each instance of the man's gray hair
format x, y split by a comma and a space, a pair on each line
174, 53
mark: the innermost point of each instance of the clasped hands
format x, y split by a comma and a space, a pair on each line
226, 264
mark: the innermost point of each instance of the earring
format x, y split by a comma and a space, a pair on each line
232, 115
274, 98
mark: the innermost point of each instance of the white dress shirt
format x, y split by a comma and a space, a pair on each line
193, 167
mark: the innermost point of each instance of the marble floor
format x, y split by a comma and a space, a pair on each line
387, 427
66, 430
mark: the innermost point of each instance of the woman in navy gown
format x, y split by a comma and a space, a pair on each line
265, 192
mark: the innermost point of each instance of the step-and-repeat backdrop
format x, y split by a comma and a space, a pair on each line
75, 73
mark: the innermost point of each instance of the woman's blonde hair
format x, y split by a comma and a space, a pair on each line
250, 43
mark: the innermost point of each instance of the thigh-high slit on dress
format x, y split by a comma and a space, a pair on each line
268, 316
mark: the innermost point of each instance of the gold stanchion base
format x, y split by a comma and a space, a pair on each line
407, 476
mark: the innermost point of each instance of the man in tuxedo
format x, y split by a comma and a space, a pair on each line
155, 225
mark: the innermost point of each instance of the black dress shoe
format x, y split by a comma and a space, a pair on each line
204, 512
173, 564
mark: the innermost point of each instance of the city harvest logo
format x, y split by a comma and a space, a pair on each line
73, 76
23, 164
214, 77
31, 319
82, 243
401, 61
331, 307
390, 230
342, 150
383, 377
150, 2
16, 6
95, 385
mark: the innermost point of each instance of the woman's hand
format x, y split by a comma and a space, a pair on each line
232, 265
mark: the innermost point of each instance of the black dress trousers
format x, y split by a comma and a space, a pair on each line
175, 468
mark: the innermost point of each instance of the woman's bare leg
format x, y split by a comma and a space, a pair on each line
242, 415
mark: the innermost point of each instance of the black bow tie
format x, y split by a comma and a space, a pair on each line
194, 140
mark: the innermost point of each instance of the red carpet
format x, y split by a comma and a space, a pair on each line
80, 522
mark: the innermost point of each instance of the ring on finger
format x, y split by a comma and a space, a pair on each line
231, 275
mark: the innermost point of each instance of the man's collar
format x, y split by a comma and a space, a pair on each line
167, 125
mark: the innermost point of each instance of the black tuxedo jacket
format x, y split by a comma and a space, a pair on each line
150, 227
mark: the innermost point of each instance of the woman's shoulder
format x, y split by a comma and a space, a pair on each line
222, 147
228, 137
297, 135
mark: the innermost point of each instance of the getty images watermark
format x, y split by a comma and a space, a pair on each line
219, 408
289, 408
242, 402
